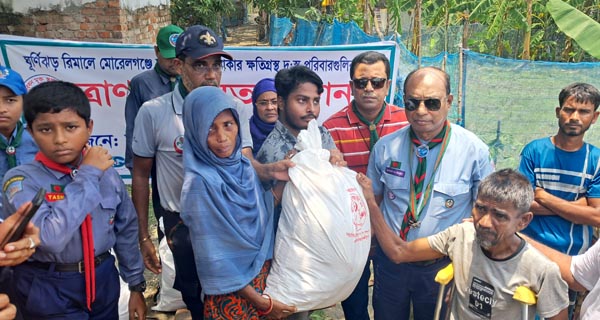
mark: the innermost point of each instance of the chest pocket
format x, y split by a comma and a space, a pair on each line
109, 206
109, 203
396, 186
448, 199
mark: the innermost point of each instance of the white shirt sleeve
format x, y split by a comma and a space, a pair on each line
586, 267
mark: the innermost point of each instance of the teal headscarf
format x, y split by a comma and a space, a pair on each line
229, 215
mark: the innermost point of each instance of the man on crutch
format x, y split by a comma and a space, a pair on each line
490, 260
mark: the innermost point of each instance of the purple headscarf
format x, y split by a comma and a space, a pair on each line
258, 128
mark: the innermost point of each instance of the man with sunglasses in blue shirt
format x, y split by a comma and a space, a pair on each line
425, 179
355, 130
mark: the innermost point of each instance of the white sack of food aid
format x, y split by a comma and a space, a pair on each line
169, 299
324, 233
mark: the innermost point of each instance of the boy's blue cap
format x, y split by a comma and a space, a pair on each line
12, 80
200, 42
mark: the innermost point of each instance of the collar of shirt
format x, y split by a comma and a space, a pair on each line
353, 118
177, 100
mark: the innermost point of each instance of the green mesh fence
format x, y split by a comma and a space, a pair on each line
506, 102
511, 102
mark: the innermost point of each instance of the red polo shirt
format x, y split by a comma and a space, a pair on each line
352, 137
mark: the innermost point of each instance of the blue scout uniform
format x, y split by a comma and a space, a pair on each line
46, 285
25, 152
392, 166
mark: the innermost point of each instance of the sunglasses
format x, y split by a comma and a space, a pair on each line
376, 83
412, 104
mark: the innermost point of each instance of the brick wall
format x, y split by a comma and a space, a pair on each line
98, 21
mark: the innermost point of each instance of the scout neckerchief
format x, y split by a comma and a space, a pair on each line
172, 79
87, 237
182, 90
11, 148
419, 196
372, 125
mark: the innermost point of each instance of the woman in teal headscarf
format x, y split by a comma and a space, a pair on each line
229, 214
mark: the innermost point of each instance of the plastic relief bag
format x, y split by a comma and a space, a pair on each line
169, 299
324, 234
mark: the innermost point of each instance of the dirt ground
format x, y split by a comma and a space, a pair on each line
243, 35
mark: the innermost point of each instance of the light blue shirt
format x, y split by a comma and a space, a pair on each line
464, 164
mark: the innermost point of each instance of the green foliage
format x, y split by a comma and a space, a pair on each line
185, 13
576, 25
346, 11
319, 315
497, 27
312, 10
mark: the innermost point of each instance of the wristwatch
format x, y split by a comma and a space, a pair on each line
140, 287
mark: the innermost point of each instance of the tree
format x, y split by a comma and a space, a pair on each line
512, 28
185, 13
576, 25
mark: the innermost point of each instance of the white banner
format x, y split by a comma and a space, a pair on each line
103, 71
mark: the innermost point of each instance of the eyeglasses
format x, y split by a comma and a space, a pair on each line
376, 83
200, 67
412, 104
266, 103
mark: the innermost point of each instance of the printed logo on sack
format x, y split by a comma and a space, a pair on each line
359, 211
359, 216
178, 144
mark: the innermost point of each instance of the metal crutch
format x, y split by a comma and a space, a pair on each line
443, 277
527, 297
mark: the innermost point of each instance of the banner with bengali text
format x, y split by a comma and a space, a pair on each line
103, 71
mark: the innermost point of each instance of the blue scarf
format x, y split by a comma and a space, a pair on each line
229, 215
258, 128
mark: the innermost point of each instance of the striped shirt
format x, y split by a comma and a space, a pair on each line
568, 175
351, 136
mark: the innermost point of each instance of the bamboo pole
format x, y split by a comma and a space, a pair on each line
527, 39
416, 43
375, 21
462, 71
446, 23
366, 25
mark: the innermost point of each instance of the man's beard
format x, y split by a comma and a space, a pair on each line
484, 240
573, 132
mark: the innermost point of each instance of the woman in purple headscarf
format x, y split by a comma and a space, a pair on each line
264, 106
